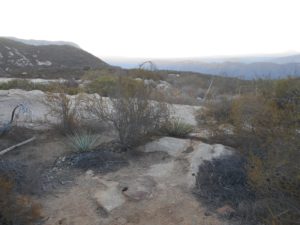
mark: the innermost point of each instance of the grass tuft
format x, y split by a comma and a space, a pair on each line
83, 141
177, 128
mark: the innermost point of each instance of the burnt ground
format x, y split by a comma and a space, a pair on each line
44, 166
48, 163
51, 173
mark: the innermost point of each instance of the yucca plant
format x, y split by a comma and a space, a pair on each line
83, 141
177, 128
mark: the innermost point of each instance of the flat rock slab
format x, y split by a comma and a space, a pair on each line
138, 189
194, 152
172, 146
161, 170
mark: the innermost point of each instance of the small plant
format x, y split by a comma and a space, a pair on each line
64, 108
177, 128
83, 141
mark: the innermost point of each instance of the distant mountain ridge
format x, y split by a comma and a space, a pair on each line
18, 59
272, 66
235, 69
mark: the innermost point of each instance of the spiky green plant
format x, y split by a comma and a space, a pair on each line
83, 141
177, 128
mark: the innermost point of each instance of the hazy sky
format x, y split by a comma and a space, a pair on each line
158, 28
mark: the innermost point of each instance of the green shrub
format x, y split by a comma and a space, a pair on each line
18, 84
104, 85
177, 128
83, 141
68, 86
109, 86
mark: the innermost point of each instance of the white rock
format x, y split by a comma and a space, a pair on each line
161, 170
201, 153
111, 197
172, 146
186, 113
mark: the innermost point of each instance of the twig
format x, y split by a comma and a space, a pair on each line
17, 145
208, 90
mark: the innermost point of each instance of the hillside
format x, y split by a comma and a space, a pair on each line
46, 61
43, 42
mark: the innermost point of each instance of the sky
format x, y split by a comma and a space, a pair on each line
158, 28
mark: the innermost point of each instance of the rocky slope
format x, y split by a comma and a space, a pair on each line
49, 61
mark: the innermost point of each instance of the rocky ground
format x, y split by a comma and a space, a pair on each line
38, 115
150, 185
155, 188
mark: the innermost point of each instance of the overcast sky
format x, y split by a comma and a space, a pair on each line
158, 28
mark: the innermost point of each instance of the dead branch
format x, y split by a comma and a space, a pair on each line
17, 145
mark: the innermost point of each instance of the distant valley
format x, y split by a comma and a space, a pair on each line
270, 66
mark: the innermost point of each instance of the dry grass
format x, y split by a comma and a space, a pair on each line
266, 131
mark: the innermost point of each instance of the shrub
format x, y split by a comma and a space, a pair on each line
18, 84
104, 86
16, 209
266, 131
108, 86
69, 87
177, 128
61, 107
223, 181
131, 112
83, 141
215, 112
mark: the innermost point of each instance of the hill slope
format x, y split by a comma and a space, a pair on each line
50, 61
43, 42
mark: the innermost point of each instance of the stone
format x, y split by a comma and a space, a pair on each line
225, 210
138, 189
172, 146
111, 197
161, 170
202, 152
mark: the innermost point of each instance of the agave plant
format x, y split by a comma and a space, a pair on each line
83, 141
177, 128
